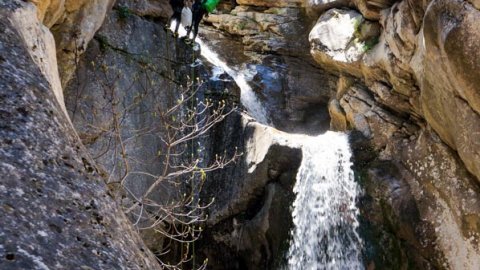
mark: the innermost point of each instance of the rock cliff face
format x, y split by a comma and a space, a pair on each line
56, 211
249, 220
270, 41
118, 114
119, 90
73, 23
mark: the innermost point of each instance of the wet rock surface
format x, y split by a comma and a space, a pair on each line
120, 90
282, 73
249, 219
56, 211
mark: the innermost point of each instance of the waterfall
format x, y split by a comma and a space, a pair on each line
247, 95
324, 211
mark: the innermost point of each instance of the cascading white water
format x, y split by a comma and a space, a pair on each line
247, 96
324, 211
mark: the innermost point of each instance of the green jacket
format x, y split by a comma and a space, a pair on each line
210, 5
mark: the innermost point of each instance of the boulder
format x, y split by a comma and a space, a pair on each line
340, 38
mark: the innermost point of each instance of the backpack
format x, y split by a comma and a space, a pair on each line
210, 5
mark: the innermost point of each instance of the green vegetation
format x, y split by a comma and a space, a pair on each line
123, 12
357, 23
102, 42
370, 43
367, 43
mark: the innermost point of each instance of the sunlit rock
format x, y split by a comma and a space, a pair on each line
41, 47
340, 38
450, 93
338, 120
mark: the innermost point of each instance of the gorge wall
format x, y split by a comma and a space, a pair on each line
56, 211
399, 76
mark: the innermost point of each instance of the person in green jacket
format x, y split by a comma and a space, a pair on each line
200, 8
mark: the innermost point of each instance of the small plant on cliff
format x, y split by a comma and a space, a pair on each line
370, 43
357, 23
123, 12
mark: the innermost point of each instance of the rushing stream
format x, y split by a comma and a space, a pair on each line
324, 211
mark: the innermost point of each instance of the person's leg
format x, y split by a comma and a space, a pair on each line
169, 23
195, 27
202, 12
178, 19
195, 14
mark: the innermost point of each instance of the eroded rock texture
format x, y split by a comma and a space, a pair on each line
413, 100
56, 211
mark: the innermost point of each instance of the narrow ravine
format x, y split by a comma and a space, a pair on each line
324, 213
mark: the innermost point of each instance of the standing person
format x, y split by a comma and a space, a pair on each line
177, 6
200, 9
197, 15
